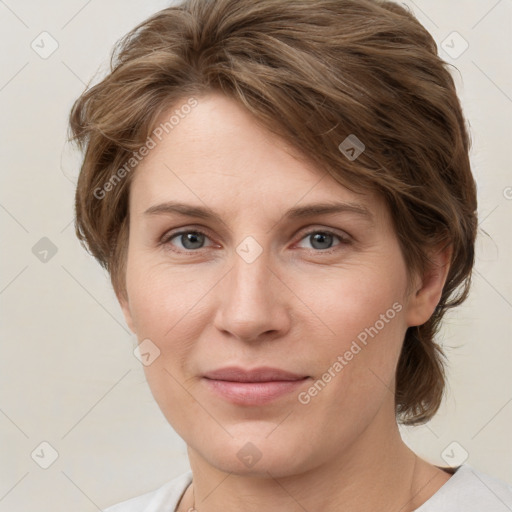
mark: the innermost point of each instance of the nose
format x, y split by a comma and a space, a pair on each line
253, 301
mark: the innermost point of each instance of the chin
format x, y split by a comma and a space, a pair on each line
257, 455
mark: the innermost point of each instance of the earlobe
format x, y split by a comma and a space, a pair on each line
427, 293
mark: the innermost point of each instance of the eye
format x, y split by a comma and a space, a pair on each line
189, 240
322, 240
193, 240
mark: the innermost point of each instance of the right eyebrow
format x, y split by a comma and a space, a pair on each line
201, 212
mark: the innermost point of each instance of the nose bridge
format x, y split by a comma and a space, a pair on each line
251, 302
250, 282
251, 276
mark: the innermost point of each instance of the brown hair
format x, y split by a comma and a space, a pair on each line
313, 72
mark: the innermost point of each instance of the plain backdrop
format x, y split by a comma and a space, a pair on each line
72, 395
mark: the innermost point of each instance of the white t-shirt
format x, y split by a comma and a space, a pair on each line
467, 490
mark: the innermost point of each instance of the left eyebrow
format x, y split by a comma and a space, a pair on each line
298, 212
312, 210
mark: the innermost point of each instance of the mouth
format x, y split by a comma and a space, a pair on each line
252, 387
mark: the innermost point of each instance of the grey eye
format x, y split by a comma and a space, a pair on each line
321, 240
189, 240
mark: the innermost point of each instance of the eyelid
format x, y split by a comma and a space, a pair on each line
169, 235
331, 231
343, 237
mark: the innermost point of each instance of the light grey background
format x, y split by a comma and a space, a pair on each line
68, 374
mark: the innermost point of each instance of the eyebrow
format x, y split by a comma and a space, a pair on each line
298, 212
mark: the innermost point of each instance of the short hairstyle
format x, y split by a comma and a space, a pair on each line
313, 72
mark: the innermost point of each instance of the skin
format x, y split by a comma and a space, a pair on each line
295, 307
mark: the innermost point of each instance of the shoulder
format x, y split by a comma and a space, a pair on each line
167, 495
472, 491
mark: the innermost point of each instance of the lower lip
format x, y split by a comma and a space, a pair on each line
253, 393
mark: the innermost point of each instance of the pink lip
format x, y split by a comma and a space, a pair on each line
261, 374
252, 387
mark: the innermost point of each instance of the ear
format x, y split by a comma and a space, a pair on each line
426, 294
125, 306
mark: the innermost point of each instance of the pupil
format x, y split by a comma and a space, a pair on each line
321, 238
191, 240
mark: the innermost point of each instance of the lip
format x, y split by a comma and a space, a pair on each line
252, 387
261, 374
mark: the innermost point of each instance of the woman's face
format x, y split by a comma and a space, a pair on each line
320, 295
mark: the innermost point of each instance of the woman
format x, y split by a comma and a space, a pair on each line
281, 192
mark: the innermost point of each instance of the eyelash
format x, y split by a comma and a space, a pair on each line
343, 240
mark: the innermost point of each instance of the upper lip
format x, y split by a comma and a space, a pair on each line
262, 374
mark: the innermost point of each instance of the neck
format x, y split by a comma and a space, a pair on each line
377, 471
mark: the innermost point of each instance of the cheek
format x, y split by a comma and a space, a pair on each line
359, 333
165, 303
161, 297
345, 306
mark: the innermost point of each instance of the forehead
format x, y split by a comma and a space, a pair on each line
219, 155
